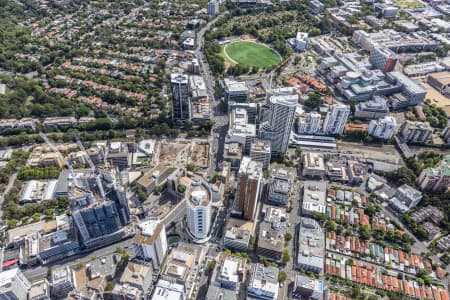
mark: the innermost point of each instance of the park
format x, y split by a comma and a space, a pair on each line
251, 54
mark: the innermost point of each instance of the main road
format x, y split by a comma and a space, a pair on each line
40, 272
220, 118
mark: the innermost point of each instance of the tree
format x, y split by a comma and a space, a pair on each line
12, 223
288, 236
159, 189
109, 286
121, 251
421, 233
212, 265
420, 281
364, 232
285, 258
282, 276
214, 177
298, 151
314, 100
403, 175
442, 50
319, 216
142, 194
264, 261
356, 292
330, 226
370, 210
181, 188
49, 212
36, 217
190, 167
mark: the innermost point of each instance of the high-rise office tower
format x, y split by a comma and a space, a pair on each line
336, 119
150, 242
181, 108
280, 120
249, 187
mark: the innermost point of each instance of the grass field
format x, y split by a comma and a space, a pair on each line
409, 4
251, 54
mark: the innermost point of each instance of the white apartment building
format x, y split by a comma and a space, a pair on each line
336, 119
277, 129
405, 198
309, 123
240, 130
165, 290
416, 132
263, 283
150, 242
260, 152
13, 285
313, 164
300, 42
314, 197
383, 128
199, 211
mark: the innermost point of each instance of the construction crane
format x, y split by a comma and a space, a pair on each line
92, 166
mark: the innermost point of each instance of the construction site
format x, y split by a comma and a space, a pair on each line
179, 153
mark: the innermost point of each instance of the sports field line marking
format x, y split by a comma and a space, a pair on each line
226, 54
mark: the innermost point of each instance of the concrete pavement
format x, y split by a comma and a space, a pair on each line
176, 214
